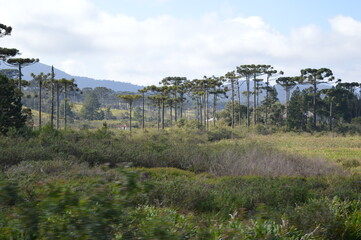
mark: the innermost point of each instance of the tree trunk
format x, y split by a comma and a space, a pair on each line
175, 107
198, 112
204, 110
267, 100
207, 116
57, 106
248, 112
52, 97
163, 109
20, 78
143, 113
314, 103
330, 115
40, 96
65, 104
232, 84
171, 113
214, 106
288, 90
130, 116
254, 101
181, 106
158, 118
239, 101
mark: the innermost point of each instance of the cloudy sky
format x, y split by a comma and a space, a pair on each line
143, 41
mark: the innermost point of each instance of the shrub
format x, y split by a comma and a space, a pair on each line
334, 218
220, 133
64, 210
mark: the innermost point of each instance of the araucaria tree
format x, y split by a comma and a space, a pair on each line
288, 83
231, 76
40, 79
269, 73
217, 88
65, 85
10, 98
20, 63
253, 71
143, 91
130, 100
175, 85
245, 71
6, 52
257, 70
316, 77
50, 85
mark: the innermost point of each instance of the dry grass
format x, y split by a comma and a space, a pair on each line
34, 171
268, 162
345, 151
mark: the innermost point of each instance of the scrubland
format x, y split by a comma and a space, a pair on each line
179, 184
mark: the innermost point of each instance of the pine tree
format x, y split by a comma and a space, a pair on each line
6, 52
143, 91
316, 77
40, 79
20, 63
10, 106
288, 83
295, 118
130, 100
90, 108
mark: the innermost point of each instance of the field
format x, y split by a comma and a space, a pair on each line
342, 150
179, 184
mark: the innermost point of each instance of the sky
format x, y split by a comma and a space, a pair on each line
143, 41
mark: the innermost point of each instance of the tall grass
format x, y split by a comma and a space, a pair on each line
183, 149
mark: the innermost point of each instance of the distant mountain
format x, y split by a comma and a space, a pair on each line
281, 92
122, 86
82, 82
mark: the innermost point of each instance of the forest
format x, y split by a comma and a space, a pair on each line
212, 158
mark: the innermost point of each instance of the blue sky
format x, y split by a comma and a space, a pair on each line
143, 41
282, 15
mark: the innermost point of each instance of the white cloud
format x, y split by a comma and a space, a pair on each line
71, 65
346, 26
75, 36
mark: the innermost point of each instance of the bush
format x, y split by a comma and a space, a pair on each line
204, 193
348, 129
104, 204
262, 129
220, 133
62, 210
335, 219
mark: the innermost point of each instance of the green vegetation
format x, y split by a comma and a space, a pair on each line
11, 116
101, 203
184, 175
78, 184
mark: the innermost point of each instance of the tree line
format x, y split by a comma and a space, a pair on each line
177, 98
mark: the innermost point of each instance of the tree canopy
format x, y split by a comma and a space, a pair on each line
11, 115
6, 52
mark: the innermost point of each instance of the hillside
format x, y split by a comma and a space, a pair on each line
84, 82
81, 81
